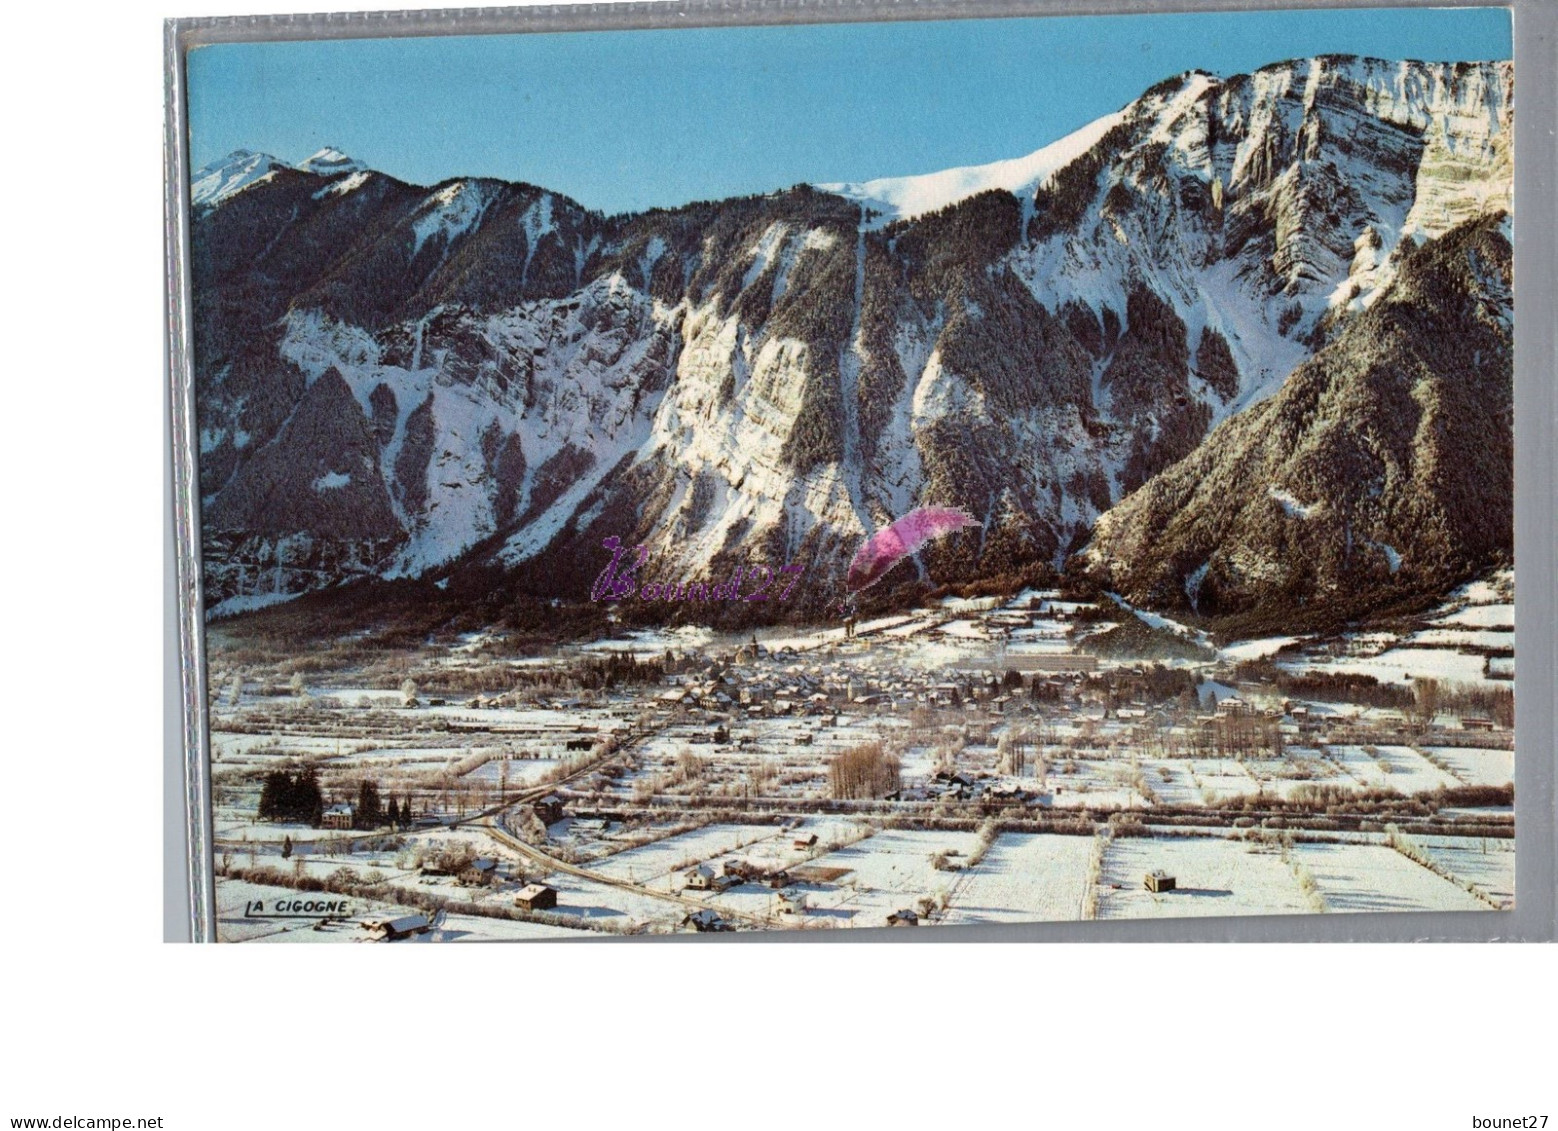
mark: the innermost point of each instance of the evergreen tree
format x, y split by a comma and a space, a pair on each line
286, 797
286, 847
368, 813
270, 795
308, 799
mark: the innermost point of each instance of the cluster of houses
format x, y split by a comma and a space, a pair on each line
483, 871
705, 878
731, 873
957, 785
809, 685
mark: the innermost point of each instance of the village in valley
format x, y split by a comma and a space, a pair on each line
1005, 759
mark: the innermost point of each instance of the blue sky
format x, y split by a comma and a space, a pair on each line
628, 120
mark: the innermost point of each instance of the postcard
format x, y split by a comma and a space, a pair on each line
916, 474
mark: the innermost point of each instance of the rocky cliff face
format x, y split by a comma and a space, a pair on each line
402, 381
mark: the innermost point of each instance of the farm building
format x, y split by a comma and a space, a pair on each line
536, 897
1158, 880
482, 870
550, 809
338, 816
673, 698
700, 878
705, 920
805, 841
903, 917
388, 928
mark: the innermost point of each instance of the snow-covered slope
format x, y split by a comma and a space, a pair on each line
904, 198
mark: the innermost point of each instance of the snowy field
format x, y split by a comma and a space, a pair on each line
596, 902
1174, 783
1391, 767
1121, 738
1487, 864
885, 873
1041, 638
1403, 665
1092, 784
1213, 877
1477, 766
1221, 778
1024, 878
654, 865
1482, 616
1464, 637
1242, 650
517, 773
1369, 877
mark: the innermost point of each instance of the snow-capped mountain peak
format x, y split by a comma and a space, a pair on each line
329, 161
221, 179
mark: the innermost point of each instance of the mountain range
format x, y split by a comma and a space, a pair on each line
1243, 345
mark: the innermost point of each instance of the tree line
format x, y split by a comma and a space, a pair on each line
297, 797
372, 812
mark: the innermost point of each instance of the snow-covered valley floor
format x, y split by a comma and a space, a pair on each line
969, 764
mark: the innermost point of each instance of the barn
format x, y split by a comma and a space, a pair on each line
536, 897
388, 928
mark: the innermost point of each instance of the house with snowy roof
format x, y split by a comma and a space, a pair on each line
338, 816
